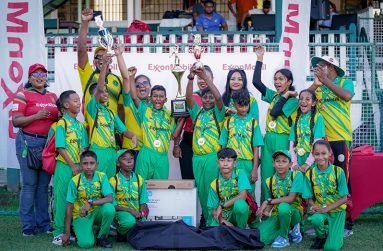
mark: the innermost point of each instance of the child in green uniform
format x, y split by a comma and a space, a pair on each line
326, 190
279, 117
207, 127
227, 193
241, 132
71, 140
103, 124
89, 202
129, 192
158, 128
307, 128
237, 81
283, 204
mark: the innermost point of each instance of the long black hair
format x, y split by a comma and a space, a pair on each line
312, 122
289, 75
227, 94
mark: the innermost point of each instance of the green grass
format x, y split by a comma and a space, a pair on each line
367, 233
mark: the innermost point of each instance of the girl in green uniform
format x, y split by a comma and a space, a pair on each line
307, 128
279, 115
325, 187
236, 81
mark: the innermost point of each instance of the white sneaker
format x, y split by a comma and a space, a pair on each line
57, 240
347, 233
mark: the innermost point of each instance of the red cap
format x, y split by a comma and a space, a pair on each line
34, 67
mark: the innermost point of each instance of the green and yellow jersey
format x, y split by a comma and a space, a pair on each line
132, 122
279, 124
277, 187
228, 189
72, 136
336, 111
207, 128
241, 134
157, 127
253, 111
304, 132
325, 187
89, 78
129, 193
80, 190
103, 124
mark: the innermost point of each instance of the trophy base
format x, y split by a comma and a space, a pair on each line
179, 108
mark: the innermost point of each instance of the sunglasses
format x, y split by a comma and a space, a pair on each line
98, 56
39, 74
143, 83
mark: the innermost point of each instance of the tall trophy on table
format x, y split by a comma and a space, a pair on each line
178, 105
105, 38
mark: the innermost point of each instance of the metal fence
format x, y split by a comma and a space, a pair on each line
362, 61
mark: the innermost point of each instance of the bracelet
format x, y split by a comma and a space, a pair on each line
176, 145
190, 77
222, 204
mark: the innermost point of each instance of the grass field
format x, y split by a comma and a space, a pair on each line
368, 233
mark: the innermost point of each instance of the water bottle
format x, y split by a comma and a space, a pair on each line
25, 151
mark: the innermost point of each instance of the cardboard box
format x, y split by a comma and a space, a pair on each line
170, 184
173, 205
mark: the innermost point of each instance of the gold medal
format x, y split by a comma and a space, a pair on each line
272, 124
301, 151
112, 139
157, 143
201, 141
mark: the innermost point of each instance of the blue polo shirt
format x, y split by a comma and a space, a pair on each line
213, 24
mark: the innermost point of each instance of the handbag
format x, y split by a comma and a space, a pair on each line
33, 155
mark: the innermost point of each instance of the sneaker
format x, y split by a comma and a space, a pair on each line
49, 231
57, 240
103, 242
295, 234
280, 242
347, 233
310, 232
318, 243
28, 232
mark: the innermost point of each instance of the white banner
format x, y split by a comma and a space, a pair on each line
22, 43
295, 38
158, 68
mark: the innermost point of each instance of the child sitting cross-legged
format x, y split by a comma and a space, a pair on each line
89, 202
283, 204
227, 196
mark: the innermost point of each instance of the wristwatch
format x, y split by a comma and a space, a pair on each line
190, 77
222, 204
91, 202
269, 201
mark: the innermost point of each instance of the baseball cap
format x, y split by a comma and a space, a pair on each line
122, 152
35, 67
100, 48
282, 152
330, 60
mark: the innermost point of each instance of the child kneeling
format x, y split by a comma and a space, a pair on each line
283, 205
129, 192
227, 196
89, 202
326, 190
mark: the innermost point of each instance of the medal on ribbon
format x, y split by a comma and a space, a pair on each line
272, 124
157, 143
301, 151
201, 141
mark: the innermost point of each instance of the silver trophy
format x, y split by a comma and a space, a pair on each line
197, 50
105, 39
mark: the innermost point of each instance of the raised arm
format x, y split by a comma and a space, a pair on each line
118, 51
209, 82
133, 90
100, 88
257, 82
82, 54
189, 88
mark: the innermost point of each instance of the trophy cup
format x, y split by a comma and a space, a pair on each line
197, 50
178, 105
105, 39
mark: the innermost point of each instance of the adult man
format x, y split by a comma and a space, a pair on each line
334, 93
243, 7
211, 20
89, 77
